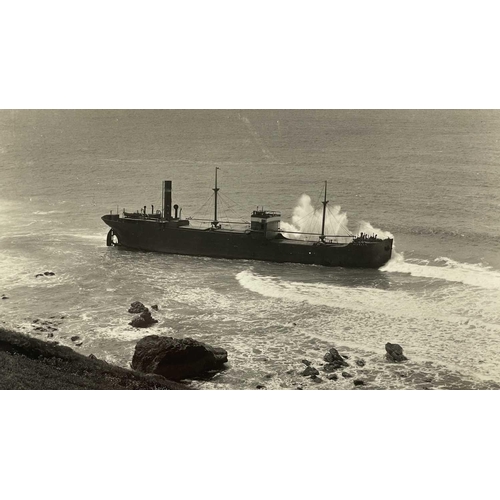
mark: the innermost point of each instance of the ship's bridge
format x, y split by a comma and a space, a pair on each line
266, 222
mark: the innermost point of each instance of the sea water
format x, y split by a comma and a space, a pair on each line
429, 178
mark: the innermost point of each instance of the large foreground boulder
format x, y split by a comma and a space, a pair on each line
394, 353
176, 359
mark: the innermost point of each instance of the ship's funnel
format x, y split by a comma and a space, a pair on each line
167, 199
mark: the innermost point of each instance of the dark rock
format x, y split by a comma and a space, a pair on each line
394, 353
294, 324
78, 344
299, 388
358, 382
176, 359
346, 375
268, 375
50, 335
345, 356
92, 356
137, 308
260, 386
333, 358
329, 367
290, 372
36, 320
143, 320
360, 362
4, 297
62, 317
306, 362
155, 307
332, 376
38, 275
316, 379
49, 273
74, 338
310, 370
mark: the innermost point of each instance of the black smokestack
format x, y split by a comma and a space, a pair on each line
167, 199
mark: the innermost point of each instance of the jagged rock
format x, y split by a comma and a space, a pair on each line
306, 362
74, 338
154, 307
143, 320
394, 353
310, 370
137, 308
260, 386
176, 359
358, 382
360, 362
92, 356
332, 376
333, 358
346, 375
329, 367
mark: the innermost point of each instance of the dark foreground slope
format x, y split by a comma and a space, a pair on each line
29, 363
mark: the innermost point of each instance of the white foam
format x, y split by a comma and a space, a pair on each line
449, 270
40, 212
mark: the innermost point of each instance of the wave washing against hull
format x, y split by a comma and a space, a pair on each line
307, 219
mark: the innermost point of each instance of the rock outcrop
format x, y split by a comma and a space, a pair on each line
394, 353
310, 370
137, 308
176, 359
334, 360
143, 320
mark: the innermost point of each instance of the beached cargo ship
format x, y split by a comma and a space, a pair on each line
263, 239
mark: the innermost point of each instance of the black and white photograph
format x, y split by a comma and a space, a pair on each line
249, 249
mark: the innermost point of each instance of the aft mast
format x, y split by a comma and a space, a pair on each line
324, 202
215, 222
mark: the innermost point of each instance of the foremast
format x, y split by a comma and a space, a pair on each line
215, 222
325, 203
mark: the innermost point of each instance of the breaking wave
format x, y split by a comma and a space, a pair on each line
446, 269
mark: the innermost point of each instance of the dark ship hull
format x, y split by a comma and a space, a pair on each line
170, 237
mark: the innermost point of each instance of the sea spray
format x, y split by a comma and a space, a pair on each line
307, 219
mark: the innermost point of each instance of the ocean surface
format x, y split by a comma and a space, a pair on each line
430, 178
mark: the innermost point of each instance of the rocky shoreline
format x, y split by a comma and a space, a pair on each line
165, 362
30, 363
